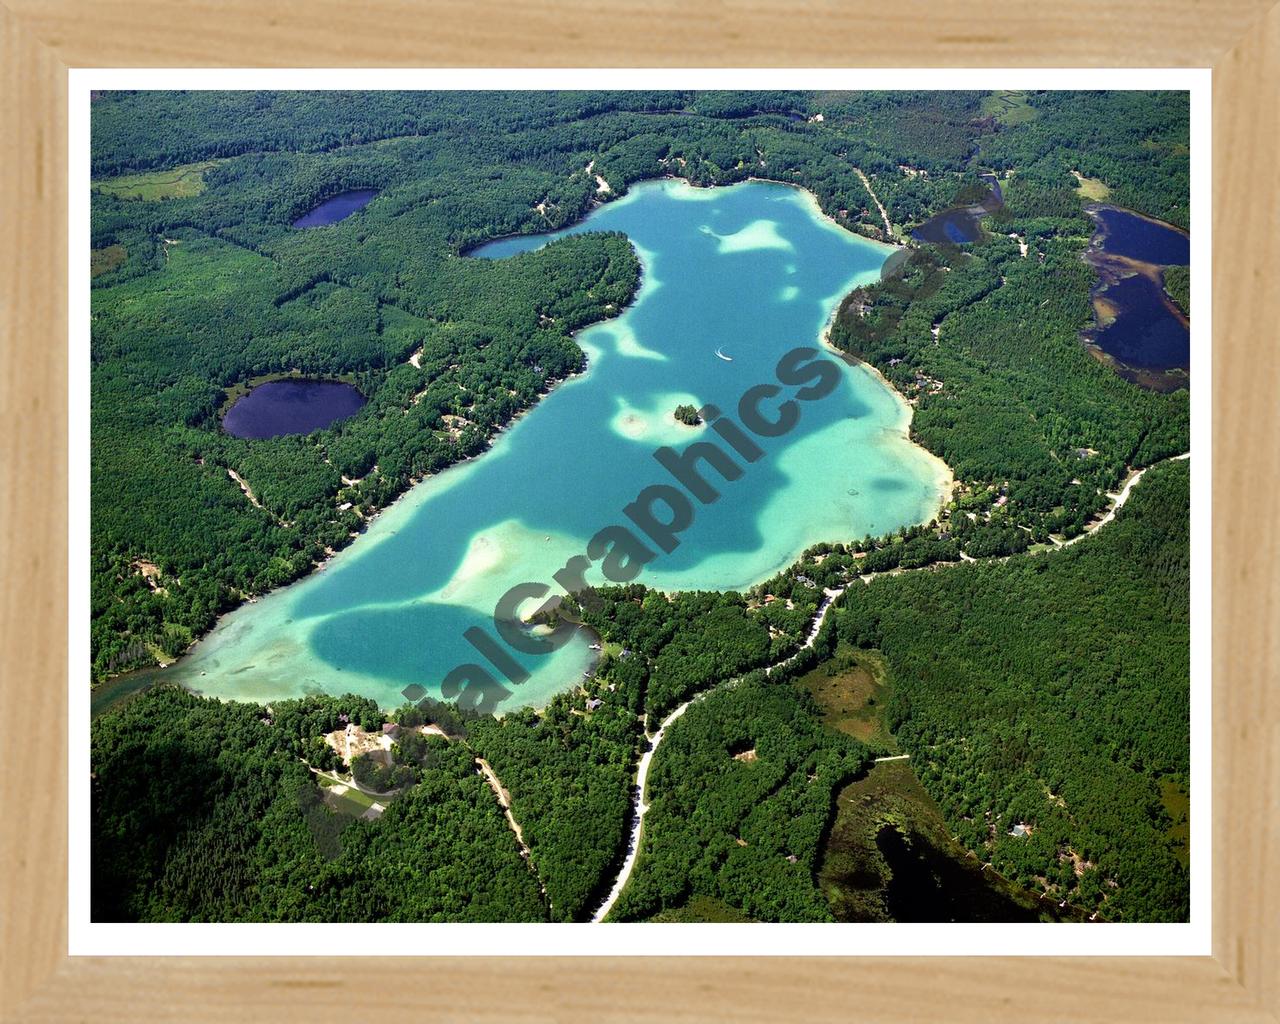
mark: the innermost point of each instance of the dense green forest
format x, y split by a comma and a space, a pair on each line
985, 343
741, 798
1136, 145
1177, 282
204, 811
569, 770
1053, 692
983, 339
692, 640
1049, 690
211, 287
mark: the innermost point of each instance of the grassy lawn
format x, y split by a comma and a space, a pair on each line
1009, 106
352, 803
1091, 188
108, 258
175, 183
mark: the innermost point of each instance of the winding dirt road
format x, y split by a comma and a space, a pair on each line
639, 810
640, 807
884, 214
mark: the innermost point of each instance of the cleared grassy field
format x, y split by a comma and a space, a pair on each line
351, 801
175, 183
1009, 106
105, 259
1091, 188
851, 690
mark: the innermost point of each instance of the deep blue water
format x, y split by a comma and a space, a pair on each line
1148, 332
336, 208
1129, 235
291, 407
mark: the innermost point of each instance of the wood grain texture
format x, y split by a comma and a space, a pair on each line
655, 33
40, 38
1246, 553
649, 991
33, 508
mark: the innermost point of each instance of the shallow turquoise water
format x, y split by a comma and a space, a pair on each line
753, 270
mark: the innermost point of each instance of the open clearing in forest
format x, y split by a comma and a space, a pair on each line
175, 183
1009, 106
346, 799
1091, 188
850, 689
105, 259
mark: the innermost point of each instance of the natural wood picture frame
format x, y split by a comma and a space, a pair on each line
1239, 39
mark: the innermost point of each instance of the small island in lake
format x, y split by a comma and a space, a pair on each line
687, 415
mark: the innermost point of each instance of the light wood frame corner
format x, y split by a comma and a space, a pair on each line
1240, 39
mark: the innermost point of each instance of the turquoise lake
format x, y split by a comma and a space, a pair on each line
753, 270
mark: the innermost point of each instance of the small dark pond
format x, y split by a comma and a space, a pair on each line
962, 223
336, 208
291, 407
928, 886
1141, 332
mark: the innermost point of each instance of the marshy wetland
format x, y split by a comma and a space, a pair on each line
889, 855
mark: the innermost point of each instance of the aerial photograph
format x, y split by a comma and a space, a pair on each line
639, 506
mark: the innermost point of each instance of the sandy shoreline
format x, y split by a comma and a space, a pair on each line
946, 480
945, 477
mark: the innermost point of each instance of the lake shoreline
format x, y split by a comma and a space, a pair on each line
232, 393
943, 475
283, 406
1095, 207
598, 203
